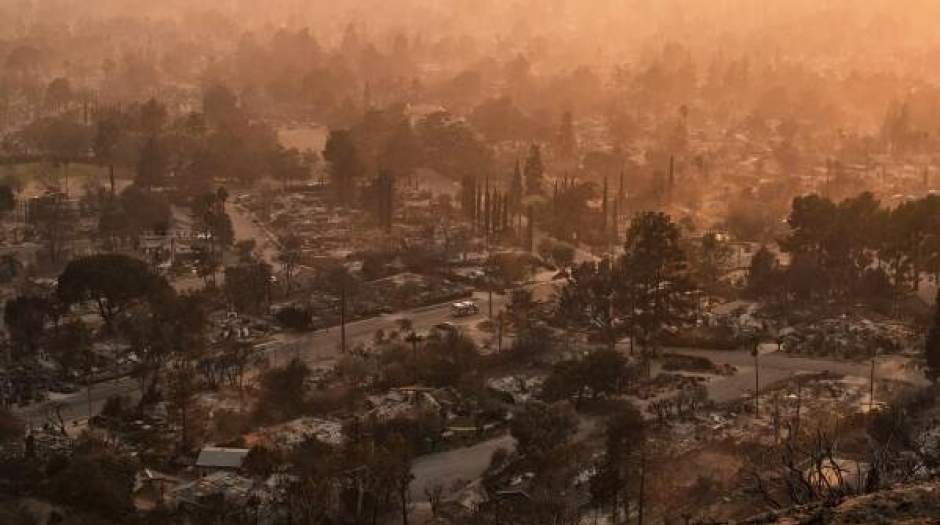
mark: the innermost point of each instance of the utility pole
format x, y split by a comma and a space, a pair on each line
414, 339
342, 317
88, 378
605, 212
488, 279
499, 334
799, 403
88, 392
756, 353
641, 504
490, 300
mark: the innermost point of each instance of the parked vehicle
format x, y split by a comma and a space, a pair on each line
445, 329
464, 309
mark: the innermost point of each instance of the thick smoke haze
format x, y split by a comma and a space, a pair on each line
469, 262
880, 49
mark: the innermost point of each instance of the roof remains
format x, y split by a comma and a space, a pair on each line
219, 457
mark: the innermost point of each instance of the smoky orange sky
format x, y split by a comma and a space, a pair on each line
866, 53
826, 27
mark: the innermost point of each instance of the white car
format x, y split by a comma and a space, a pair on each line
464, 308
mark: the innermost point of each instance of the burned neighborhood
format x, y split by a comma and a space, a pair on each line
421, 262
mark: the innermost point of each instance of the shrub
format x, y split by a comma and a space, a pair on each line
295, 318
116, 407
675, 362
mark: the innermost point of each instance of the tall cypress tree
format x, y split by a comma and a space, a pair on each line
671, 182
478, 197
494, 226
515, 191
346, 165
620, 194
468, 197
615, 231
378, 188
384, 189
389, 200
534, 171
530, 229
566, 137
487, 208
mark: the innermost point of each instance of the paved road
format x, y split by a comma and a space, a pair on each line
314, 348
324, 345
245, 228
462, 465
467, 464
458, 465
75, 407
776, 366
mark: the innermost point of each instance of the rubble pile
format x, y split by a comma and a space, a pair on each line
665, 383
847, 337
292, 433
44, 441
519, 388
323, 230
734, 422
401, 403
235, 489
814, 394
713, 426
409, 290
